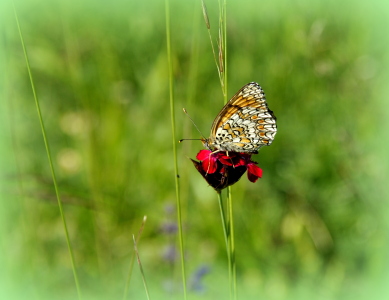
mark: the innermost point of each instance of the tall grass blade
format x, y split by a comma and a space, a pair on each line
48, 155
205, 14
215, 57
226, 224
133, 259
225, 49
222, 68
172, 116
223, 218
232, 246
141, 268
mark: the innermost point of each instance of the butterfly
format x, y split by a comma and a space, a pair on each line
244, 124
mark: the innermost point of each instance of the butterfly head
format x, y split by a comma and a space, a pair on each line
211, 145
206, 143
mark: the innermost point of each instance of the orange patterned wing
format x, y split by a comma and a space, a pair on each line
245, 123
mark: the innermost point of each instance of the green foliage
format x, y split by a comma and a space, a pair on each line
312, 226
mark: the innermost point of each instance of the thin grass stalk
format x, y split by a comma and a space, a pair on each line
222, 45
221, 65
231, 239
225, 50
133, 259
229, 190
48, 153
227, 238
232, 244
172, 116
224, 220
221, 54
141, 268
208, 24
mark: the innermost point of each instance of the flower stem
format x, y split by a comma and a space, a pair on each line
48, 153
223, 218
231, 240
227, 237
232, 244
172, 116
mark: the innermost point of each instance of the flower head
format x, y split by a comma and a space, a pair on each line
221, 169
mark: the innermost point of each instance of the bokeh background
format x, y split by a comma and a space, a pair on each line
314, 227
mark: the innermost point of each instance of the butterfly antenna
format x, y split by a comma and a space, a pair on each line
194, 126
180, 141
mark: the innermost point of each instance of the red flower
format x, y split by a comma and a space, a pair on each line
253, 171
221, 170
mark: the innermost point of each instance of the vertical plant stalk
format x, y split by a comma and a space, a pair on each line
217, 62
231, 245
226, 224
221, 65
141, 268
133, 258
223, 50
223, 218
48, 156
172, 116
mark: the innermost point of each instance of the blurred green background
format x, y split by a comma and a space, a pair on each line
315, 225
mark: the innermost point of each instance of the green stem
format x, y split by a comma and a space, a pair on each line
231, 239
141, 268
223, 218
227, 237
232, 243
228, 230
172, 115
133, 258
48, 153
225, 51
231, 215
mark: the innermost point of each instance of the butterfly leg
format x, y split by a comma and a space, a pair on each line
232, 162
209, 160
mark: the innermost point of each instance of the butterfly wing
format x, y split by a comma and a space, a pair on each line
245, 123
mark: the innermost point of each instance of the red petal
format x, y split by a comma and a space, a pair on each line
241, 162
203, 154
233, 159
226, 156
253, 172
209, 165
225, 160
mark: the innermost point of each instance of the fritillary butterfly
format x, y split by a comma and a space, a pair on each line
244, 124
